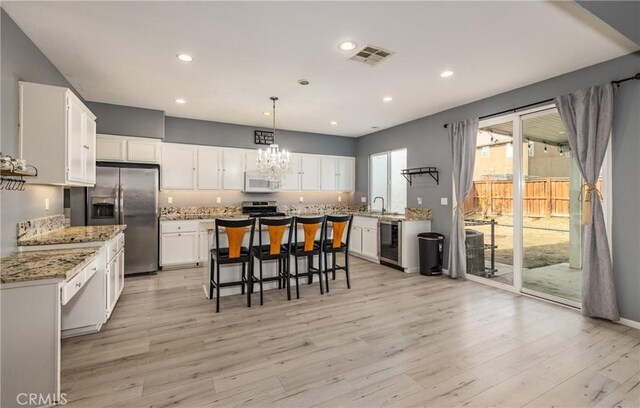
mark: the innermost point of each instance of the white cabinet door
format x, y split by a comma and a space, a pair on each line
355, 246
112, 285
251, 160
208, 169
291, 180
89, 149
310, 177
143, 151
75, 140
328, 174
120, 273
179, 248
232, 169
178, 167
346, 174
370, 242
203, 247
110, 148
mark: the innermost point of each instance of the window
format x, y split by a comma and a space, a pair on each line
485, 151
386, 181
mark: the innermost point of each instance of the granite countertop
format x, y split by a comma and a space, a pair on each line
74, 235
49, 264
211, 217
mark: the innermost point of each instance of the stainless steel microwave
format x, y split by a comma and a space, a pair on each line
257, 182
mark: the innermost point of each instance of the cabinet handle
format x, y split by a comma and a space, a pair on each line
179, 235
78, 284
86, 146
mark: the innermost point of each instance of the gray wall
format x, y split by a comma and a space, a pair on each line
21, 60
428, 145
128, 120
621, 15
179, 130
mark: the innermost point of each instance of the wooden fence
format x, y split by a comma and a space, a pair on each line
544, 197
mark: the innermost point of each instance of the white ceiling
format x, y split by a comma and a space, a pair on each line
244, 52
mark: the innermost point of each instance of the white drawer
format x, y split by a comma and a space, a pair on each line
365, 222
72, 286
91, 269
112, 249
120, 242
169, 227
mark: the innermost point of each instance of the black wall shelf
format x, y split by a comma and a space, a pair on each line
417, 171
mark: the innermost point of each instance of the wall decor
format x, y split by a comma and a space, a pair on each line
264, 137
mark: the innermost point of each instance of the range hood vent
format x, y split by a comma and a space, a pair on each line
371, 55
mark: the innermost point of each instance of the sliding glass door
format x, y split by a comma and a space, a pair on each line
552, 211
523, 215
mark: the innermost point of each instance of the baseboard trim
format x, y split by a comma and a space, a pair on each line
629, 323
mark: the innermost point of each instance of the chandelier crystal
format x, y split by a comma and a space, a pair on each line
273, 161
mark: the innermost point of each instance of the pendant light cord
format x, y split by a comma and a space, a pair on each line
274, 99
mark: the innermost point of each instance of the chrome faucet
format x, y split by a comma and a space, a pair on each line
382, 198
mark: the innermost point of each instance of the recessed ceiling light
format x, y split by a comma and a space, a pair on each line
348, 45
180, 101
266, 113
303, 82
185, 57
387, 99
446, 74
333, 122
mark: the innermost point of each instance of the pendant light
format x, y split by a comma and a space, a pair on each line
272, 161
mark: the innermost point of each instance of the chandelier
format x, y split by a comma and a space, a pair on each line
272, 161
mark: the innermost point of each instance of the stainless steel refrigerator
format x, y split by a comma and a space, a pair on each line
128, 194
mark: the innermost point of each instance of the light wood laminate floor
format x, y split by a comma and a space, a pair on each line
392, 340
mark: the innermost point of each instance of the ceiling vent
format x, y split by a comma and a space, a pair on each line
371, 55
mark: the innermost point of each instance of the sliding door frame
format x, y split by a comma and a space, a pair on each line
518, 190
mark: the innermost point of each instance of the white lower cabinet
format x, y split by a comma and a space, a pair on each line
364, 237
180, 242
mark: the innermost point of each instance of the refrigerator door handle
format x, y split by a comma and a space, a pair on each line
121, 204
117, 205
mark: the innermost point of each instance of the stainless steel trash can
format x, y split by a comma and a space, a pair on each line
430, 246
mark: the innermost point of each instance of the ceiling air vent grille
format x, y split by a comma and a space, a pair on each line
371, 55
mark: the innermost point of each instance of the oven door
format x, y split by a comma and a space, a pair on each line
390, 241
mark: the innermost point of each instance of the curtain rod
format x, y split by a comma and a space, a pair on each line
513, 110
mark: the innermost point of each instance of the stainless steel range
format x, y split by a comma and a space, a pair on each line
261, 209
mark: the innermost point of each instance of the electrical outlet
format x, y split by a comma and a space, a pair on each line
444, 201
218, 200
419, 200
46, 204
301, 199
363, 199
339, 198
169, 200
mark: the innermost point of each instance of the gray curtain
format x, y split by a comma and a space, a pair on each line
587, 116
463, 137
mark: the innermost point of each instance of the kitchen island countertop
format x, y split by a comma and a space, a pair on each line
74, 235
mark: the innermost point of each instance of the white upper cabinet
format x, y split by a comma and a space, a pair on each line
178, 167
208, 168
310, 173
57, 135
346, 174
328, 173
141, 150
127, 149
233, 169
251, 160
291, 179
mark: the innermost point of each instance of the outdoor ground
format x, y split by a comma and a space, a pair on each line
546, 254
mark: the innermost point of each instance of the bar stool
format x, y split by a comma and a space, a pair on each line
333, 246
235, 253
308, 248
274, 251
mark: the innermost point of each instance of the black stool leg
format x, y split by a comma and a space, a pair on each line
346, 268
217, 287
279, 274
261, 295
320, 272
287, 274
211, 276
244, 278
310, 265
295, 260
326, 271
334, 265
